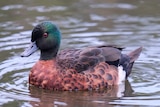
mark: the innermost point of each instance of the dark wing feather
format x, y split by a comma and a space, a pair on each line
83, 59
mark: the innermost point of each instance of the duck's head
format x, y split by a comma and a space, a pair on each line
46, 37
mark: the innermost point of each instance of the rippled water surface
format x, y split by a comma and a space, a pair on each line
128, 23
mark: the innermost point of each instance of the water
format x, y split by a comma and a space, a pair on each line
83, 23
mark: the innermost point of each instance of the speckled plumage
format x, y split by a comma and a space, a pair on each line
90, 68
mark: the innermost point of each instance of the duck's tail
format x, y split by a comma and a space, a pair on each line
127, 61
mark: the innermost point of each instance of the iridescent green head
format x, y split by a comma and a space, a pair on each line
46, 36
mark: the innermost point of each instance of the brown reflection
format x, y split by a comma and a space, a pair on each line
79, 98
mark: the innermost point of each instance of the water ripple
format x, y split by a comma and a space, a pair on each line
114, 5
10, 7
143, 101
47, 9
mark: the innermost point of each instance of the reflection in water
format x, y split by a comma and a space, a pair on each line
79, 98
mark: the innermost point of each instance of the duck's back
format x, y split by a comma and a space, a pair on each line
84, 59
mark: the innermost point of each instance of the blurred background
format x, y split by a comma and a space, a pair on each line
127, 23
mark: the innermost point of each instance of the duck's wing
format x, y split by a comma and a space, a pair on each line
83, 59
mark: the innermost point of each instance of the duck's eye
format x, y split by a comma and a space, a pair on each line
45, 35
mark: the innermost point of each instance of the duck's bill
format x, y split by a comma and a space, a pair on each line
30, 50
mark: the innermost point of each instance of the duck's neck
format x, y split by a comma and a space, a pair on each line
48, 55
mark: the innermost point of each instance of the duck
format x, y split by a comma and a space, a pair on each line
88, 68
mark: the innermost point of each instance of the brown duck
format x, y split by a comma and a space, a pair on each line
90, 68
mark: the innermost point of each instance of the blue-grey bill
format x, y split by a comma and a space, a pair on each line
30, 50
